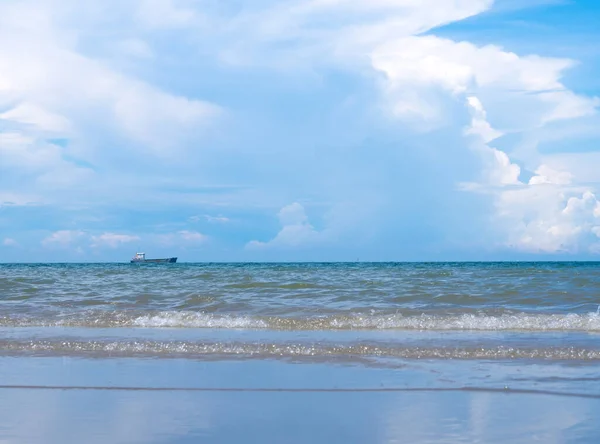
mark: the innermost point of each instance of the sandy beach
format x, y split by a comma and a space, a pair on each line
130, 400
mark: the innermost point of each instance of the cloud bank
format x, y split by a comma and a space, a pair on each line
172, 123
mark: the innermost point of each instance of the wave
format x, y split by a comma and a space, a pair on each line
147, 348
188, 319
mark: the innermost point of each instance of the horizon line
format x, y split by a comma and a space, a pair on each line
324, 262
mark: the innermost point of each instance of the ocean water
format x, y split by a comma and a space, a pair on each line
442, 338
344, 311
338, 311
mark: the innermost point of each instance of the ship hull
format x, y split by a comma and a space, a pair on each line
169, 260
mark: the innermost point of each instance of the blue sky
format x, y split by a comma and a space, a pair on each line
299, 130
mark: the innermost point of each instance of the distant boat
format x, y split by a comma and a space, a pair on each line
141, 258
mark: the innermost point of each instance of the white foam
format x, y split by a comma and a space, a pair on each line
522, 321
196, 320
258, 350
461, 322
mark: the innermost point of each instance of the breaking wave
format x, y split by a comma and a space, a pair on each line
147, 348
186, 319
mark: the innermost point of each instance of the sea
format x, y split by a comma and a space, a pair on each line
462, 352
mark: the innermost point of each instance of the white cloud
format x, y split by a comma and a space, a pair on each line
19, 150
182, 238
18, 199
549, 214
582, 166
71, 238
9, 242
559, 217
424, 75
192, 236
566, 104
498, 168
546, 215
545, 174
49, 87
587, 204
217, 219
550, 219
40, 163
295, 231
479, 124
504, 172
512, 84
112, 240
220, 219
292, 215
57, 78
327, 30
63, 238
36, 116
524, 94
155, 118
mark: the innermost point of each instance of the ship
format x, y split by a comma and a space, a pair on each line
141, 258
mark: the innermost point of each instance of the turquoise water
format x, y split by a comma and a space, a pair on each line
300, 296
354, 311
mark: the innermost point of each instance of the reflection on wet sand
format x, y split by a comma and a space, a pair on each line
318, 417
68, 400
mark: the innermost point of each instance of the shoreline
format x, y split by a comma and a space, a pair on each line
504, 391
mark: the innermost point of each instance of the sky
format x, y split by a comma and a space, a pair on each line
299, 130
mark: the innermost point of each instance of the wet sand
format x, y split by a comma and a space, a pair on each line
130, 400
